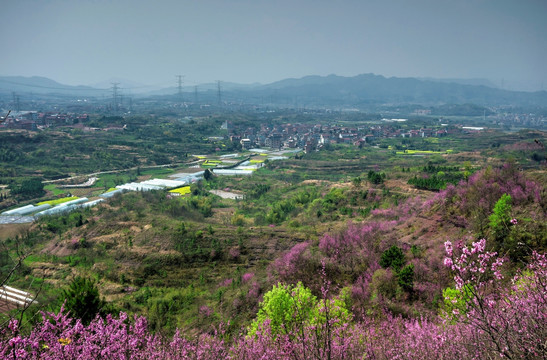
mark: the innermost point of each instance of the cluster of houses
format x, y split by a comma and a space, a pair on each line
313, 137
34, 120
522, 120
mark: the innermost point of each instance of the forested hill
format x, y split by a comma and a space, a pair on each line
315, 91
370, 88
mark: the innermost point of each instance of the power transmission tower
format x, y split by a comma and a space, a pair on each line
180, 77
115, 95
219, 94
196, 94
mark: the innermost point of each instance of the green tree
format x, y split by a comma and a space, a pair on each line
393, 258
290, 308
82, 299
405, 277
207, 174
501, 217
286, 307
376, 177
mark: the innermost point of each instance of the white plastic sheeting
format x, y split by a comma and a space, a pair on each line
138, 187
73, 202
18, 210
109, 194
233, 172
26, 210
169, 184
15, 219
90, 203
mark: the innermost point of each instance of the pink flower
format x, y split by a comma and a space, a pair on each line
514, 221
246, 277
448, 248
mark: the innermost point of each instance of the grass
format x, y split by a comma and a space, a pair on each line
58, 201
157, 171
53, 188
34, 258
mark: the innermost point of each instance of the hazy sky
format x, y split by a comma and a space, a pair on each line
150, 41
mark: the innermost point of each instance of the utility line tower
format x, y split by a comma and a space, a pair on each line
115, 95
180, 81
16, 103
196, 94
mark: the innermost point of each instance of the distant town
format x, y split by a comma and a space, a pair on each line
311, 137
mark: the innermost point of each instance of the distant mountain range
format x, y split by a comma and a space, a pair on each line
42, 85
317, 91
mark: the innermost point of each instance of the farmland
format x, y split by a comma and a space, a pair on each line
186, 258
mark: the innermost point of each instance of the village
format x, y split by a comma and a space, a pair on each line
314, 137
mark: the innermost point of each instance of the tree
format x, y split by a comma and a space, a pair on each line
285, 307
405, 277
506, 319
28, 188
82, 299
501, 217
207, 174
393, 257
376, 177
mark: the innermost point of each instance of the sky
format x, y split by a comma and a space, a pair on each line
84, 42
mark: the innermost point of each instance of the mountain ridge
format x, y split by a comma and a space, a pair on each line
316, 90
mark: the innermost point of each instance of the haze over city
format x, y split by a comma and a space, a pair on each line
247, 41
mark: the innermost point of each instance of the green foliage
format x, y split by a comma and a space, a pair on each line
393, 258
501, 216
286, 307
455, 301
384, 283
433, 182
405, 277
28, 188
82, 299
376, 177
165, 306
238, 220
258, 190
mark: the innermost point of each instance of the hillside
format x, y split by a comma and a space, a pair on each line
346, 236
